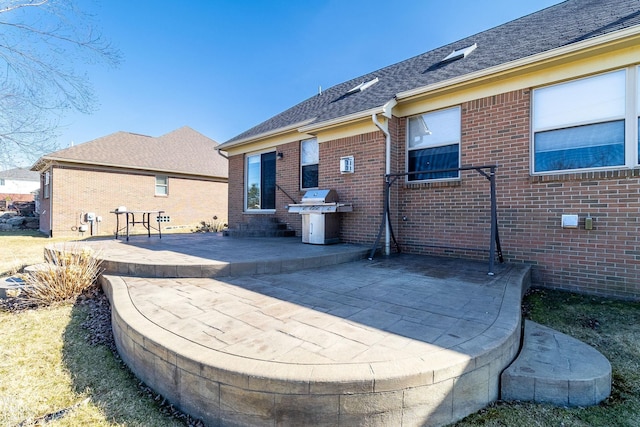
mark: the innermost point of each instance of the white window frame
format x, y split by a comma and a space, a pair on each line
303, 164
631, 110
164, 185
457, 141
46, 185
246, 181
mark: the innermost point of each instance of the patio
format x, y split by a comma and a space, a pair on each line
275, 332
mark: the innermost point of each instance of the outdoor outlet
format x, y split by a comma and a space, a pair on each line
588, 223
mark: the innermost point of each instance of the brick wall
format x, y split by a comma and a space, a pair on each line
495, 130
287, 178
453, 218
363, 188
77, 191
236, 190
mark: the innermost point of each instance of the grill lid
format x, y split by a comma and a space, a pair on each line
320, 196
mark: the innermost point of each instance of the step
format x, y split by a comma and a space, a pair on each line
259, 233
555, 368
11, 285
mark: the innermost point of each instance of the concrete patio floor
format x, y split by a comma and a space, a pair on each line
276, 332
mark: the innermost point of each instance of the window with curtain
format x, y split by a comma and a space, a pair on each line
580, 124
433, 144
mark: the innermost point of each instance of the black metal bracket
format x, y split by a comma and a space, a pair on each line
494, 244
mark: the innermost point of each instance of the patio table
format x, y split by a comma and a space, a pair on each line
130, 220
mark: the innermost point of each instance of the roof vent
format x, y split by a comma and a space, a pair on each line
460, 53
362, 86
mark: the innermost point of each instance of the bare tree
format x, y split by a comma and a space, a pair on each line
46, 46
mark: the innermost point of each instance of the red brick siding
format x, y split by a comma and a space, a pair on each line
364, 188
77, 191
495, 130
236, 190
454, 218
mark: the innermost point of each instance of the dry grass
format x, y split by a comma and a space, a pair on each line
63, 277
47, 366
19, 249
611, 327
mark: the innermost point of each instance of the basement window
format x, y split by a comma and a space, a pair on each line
460, 53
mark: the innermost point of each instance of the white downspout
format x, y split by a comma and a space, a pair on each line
384, 127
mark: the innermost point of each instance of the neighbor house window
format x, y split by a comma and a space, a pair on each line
260, 187
309, 159
433, 144
46, 186
580, 124
2, 181
162, 185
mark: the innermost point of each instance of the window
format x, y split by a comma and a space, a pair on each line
2, 181
434, 144
638, 110
260, 187
580, 124
309, 159
162, 185
46, 187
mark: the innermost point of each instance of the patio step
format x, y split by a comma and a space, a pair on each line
555, 368
261, 227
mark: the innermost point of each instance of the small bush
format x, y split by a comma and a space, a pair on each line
64, 276
211, 227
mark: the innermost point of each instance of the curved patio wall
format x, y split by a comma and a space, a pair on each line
223, 389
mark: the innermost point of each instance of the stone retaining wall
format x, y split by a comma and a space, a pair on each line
222, 389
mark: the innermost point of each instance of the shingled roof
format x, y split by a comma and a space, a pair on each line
182, 151
561, 25
20, 174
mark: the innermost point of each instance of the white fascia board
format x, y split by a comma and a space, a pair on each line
348, 118
225, 145
523, 62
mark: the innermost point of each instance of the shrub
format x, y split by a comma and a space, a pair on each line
64, 276
211, 227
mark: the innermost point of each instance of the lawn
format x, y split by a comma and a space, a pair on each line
50, 362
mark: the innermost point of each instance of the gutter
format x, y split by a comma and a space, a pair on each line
220, 153
310, 128
384, 128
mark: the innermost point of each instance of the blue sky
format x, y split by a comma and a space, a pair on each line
222, 67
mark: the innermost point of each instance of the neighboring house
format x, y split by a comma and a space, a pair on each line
181, 173
552, 99
17, 185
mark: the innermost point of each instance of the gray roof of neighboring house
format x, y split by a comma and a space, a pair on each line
554, 27
182, 151
20, 174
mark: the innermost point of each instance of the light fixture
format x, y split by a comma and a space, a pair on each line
279, 156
